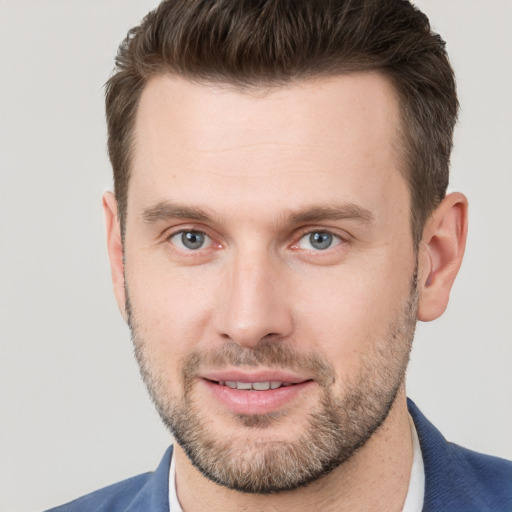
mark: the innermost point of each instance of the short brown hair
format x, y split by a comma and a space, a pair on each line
253, 43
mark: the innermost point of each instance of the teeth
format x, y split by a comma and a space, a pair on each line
261, 386
257, 386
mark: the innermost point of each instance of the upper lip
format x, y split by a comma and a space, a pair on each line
256, 376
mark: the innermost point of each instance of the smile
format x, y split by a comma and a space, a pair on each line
248, 396
255, 386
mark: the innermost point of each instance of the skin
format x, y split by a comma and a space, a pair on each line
253, 161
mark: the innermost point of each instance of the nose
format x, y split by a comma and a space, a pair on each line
254, 306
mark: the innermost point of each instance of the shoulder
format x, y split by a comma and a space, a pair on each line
489, 477
114, 498
460, 479
148, 492
483, 465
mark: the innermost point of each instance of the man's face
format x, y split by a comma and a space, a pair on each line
270, 271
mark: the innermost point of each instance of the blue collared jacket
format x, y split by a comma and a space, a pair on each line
456, 480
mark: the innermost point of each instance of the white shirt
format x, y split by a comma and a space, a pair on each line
174, 504
415, 493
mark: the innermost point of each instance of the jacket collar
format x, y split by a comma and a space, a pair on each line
450, 481
154, 495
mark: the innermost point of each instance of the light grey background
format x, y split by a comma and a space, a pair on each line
74, 414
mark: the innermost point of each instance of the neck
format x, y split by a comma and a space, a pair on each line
376, 477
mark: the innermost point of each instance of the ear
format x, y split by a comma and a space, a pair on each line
440, 255
115, 250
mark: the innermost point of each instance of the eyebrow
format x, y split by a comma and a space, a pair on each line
168, 211
165, 211
349, 211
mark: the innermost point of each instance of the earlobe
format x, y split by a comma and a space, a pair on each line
440, 255
115, 250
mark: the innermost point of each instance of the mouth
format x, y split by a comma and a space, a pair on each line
259, 393
253, 386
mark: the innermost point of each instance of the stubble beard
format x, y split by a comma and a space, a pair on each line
249, 460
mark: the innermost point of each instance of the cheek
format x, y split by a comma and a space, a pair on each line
347, 313
170, 309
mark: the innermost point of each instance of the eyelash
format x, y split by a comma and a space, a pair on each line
195, 232
333, 241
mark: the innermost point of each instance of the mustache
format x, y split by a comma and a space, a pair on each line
267, 354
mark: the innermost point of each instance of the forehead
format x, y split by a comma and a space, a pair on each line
337, 135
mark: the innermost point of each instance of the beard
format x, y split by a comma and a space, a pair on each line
246, 459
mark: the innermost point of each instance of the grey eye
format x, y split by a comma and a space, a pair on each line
318, 241
191, 240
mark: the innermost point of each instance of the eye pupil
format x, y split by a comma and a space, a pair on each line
320, 240
192, 239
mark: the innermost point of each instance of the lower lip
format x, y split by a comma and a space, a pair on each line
251, 402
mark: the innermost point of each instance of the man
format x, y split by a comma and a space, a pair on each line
280, 222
